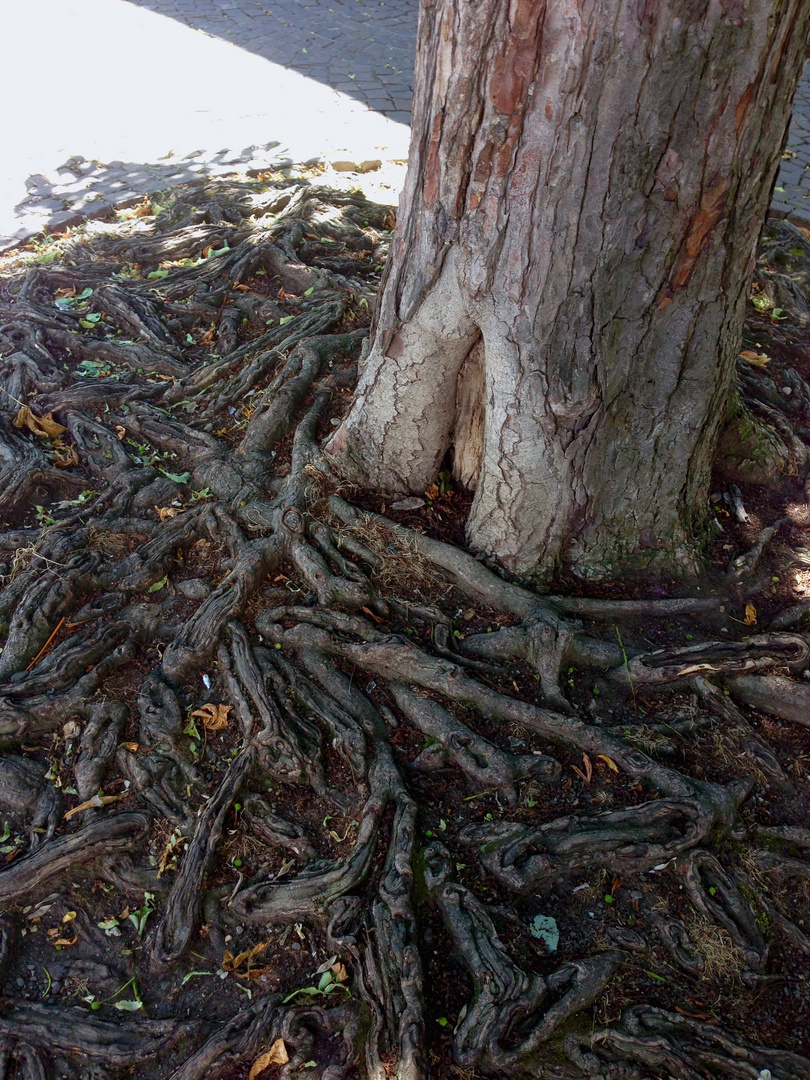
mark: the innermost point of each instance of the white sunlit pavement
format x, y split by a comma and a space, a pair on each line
105, 101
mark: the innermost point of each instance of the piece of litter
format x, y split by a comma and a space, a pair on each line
545, 929
579, 888
206, 682
408, 504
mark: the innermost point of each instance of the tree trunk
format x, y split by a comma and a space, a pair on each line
586, 188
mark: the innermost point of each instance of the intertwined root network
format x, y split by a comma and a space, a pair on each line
285, 780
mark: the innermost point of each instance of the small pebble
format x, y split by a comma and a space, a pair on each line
296, 946
193, 588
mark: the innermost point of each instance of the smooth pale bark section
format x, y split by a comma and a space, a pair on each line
586, 188
407, 396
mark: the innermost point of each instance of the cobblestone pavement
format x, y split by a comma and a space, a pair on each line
792, 194
302, 78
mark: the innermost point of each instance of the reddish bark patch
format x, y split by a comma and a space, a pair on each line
712, 207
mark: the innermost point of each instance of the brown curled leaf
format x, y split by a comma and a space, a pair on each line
44, 427
276, 1055
214, 717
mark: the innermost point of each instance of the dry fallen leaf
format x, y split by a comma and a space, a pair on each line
44, 427
750, 615
611, 764
432, 492
164, 512
371, 615
757, 359
276, 1055
339, 971
214, 717
131, 746
63, 455
65, 941
120, 431
586, 776
231, 962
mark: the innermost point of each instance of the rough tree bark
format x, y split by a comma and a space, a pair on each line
575, 245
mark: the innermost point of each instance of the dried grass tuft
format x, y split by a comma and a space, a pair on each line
727, 749
400, 568
722, 958
647, 739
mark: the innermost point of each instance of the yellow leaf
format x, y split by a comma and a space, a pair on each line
231, 962
611, 764
750, 615
757, 359
214, 717
276, 1055
120, 431
133, 747
339, 971
44, 427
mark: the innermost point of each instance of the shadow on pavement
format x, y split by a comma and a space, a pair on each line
363, 48
87, 189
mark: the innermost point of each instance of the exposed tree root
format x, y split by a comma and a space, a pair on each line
282, 772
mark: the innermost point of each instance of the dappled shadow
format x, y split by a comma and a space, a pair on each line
362, 48
80, 189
